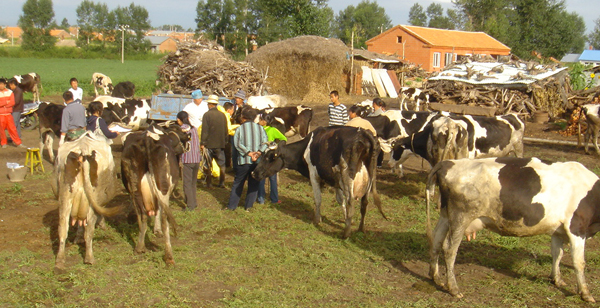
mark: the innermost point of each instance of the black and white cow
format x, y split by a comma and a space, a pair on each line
514, 197
85, 182
341, 156
132, 112
290, 120
413, 94
30, 83
150, 172
592, 118
50, 118
103, 82
464, 136
125, 89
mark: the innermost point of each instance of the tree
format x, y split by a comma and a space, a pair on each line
435, 12
282, 19
367, 20
416, 16
594, 36
136, 17
526, 25
36, 22
65, 24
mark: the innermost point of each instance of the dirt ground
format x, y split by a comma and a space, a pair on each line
20, 226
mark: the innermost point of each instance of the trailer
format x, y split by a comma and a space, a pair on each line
165, 107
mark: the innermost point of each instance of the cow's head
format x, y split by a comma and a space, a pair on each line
177, 137
271, 162
448, 141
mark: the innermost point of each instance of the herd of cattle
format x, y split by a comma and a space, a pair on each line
479, 186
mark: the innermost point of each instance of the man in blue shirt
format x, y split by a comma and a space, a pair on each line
73, 121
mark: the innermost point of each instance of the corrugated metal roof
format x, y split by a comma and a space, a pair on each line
375, 56
157, 40
458, 72
570, 58
590, 55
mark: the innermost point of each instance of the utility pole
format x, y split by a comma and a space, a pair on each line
123, 28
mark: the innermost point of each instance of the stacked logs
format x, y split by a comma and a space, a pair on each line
204, 65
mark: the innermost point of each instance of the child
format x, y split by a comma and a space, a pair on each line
77, 91
273, 134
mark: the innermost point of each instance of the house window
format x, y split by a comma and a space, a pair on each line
399, 39
448, 58
436, 59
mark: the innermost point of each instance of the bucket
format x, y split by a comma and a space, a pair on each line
17, 174
541, 117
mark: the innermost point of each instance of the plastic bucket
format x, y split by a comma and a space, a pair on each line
17, 174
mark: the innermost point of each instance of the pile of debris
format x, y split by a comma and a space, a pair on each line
204, 65
578, 99
509, 86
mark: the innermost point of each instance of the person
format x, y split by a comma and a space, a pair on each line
196, 109
19, 104
227, 110
190, 161
73, 120
77, 91
338, 114
273, 134
7, 101
213, 139
250, 140
357, 121
378, 107
97, 125
238, 100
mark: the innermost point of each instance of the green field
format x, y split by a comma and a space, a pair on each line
56, 73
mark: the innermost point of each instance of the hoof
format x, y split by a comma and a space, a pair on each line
559, 283
458, 295
588, 298
60, 269
89, 261
140, 250
170, 262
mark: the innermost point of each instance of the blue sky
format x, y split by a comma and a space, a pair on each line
183, 12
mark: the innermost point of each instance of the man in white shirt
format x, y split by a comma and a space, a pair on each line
77, 91
196, 109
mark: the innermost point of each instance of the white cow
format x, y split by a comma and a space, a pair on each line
102, 81
267, 101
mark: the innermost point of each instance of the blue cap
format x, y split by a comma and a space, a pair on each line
197, 94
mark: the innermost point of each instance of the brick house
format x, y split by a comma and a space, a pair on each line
434, 48
162, 43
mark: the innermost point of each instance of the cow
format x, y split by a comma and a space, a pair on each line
30, 83
290, 120
125, 89
341, 156
85, 182
103, 82
150, 172
50, 118
267, 101
413, 94
132, 112
592, 118
458, 136
514, 197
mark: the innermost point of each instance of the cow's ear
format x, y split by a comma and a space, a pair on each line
281, 143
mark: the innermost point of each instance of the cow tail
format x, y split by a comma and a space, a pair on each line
375, 148
170, 218
429, 193
90, 193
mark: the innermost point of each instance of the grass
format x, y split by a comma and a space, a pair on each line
275, 257
56, 73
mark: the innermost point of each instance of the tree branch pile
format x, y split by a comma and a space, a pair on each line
464, 86
204, 65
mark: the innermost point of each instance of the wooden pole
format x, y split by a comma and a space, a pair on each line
352, 65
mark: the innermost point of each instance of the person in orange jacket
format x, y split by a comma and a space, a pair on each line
7, 101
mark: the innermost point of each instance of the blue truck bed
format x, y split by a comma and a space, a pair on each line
164, 107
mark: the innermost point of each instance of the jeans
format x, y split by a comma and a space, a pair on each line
273, 194
17, 118
242, 173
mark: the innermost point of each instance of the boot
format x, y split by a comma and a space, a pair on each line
222, 178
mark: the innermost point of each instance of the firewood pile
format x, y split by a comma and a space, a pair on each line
578, 99
204, 65
512, 86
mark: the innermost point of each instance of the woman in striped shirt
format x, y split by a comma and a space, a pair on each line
190, 161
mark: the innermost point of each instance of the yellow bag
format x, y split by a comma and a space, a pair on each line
216, 171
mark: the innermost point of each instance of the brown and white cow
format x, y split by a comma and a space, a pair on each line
290, 120
342, 156
50, 117
103, 82
150, 172
85, 182
30, 83
514, 197
592, 119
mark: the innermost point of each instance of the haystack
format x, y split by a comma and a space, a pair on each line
307, 67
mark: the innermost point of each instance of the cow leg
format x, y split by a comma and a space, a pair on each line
89, 237
316, 186
363, 211
586, 138
557, 253
63, 228
169, 260
578, 254
96, 90
595, 139
455, 235
140, 247
158, 221
440, 234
